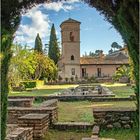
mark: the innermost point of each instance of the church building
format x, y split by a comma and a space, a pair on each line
72, 65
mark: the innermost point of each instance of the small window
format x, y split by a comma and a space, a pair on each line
71, 37
73, 71
99, 72
84, 74
72, 57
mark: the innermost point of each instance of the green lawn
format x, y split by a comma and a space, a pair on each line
82, 110
120, 90
121, 134
42, 91
66, 135
75, 111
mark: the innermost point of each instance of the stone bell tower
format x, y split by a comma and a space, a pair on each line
70, 35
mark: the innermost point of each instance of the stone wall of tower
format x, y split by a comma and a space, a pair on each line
70, 34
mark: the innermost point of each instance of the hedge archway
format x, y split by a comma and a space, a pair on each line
122, 14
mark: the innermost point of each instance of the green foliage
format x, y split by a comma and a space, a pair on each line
54, 52
115, 45
39, 83
98, 52
118, 134
38, 44
123, 71
72, 79
93, 54
92, 79
110, 51
6, 41
132, 71
28, 65
22, 66
29, 84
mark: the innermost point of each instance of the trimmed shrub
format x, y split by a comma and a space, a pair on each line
39, 83
32, 84
29, 84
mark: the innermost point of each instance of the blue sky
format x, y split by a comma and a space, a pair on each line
96, 32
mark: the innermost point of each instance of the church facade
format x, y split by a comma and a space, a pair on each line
72, 65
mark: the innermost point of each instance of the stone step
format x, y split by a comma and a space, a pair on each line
72, 125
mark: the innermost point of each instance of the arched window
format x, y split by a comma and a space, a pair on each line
71, 36
72, 57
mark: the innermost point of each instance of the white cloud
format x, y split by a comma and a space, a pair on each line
39, 24
60, 5
57, 6
71, 1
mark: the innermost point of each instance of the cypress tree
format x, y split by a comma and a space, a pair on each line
38, 44
54, 52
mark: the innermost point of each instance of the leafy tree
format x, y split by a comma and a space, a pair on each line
98, 52
29, 65
123, 71
38, 44
22, 65
45, 68
92, 54
110, 51
115, 45
54, 52
123, 15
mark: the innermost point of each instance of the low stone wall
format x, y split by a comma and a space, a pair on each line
20, 134
20, 102
106, 99
113, 118
21, 97
15, 112
39, 123
77, 98
72, 126
50, 103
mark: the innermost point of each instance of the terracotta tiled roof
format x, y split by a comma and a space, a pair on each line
114, 59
